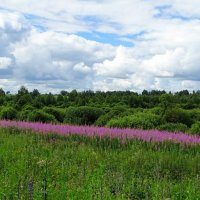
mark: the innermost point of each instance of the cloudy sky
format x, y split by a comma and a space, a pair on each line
100, 44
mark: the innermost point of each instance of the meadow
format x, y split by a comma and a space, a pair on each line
99, 145
55, 166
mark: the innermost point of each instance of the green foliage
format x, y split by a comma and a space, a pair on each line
23, 115
2, 93
98, 108
34, 166
194, 114
139, 120
195, 129
2, 100
82, 115
38, 102
155, 110
22, 91
28, 107
115, 112
176, 115
59, 114
49, 99
35, 93
134, 101
23, 100
172, 127
8, 113
40, 116
25, 112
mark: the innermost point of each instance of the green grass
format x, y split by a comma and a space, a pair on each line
34, 166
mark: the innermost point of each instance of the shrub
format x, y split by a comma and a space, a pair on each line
118, 111
23, 100
40, 116
155, 110
139, 120
178, 116
82, 115
23, 115
57, 113
195, 114
8, 113
28, 107
172, 127
195, 129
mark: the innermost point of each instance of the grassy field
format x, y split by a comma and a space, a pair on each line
36, 166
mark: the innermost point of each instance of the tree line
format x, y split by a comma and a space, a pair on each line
154, 109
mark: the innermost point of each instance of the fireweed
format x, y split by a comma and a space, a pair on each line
91, 131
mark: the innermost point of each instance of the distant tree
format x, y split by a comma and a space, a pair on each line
50, 99
2, 93
183, 93
60, 99
145, 92
72, 95
23, 100
166, 102
134, 101
38, 102
35, 93
22, 91
64, 93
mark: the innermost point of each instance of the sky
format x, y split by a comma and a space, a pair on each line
100, 45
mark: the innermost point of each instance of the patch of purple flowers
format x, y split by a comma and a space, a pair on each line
91, 131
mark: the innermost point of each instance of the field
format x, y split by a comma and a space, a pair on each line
49, 166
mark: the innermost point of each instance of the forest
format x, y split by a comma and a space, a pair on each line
174, 112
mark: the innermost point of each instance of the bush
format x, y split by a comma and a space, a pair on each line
195, 129
139, 120
40, 116
155, 110
8, 113
28, 107
195, 114
118, 111
83, 115
172, 127
23, 115
59, 114
23, 100
178, 116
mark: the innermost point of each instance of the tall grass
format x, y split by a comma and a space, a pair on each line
50, 166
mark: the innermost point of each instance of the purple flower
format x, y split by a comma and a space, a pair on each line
92, 131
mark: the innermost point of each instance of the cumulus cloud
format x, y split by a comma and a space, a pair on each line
5, 62
41, 45
122, 65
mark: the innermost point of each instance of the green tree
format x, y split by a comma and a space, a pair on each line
8, 113
83, 115
166, 102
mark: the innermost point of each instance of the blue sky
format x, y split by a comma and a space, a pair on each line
100, 45
108, 38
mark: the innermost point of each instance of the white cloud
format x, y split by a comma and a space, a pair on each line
165, 54
5, 62
123, 64
81, 67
